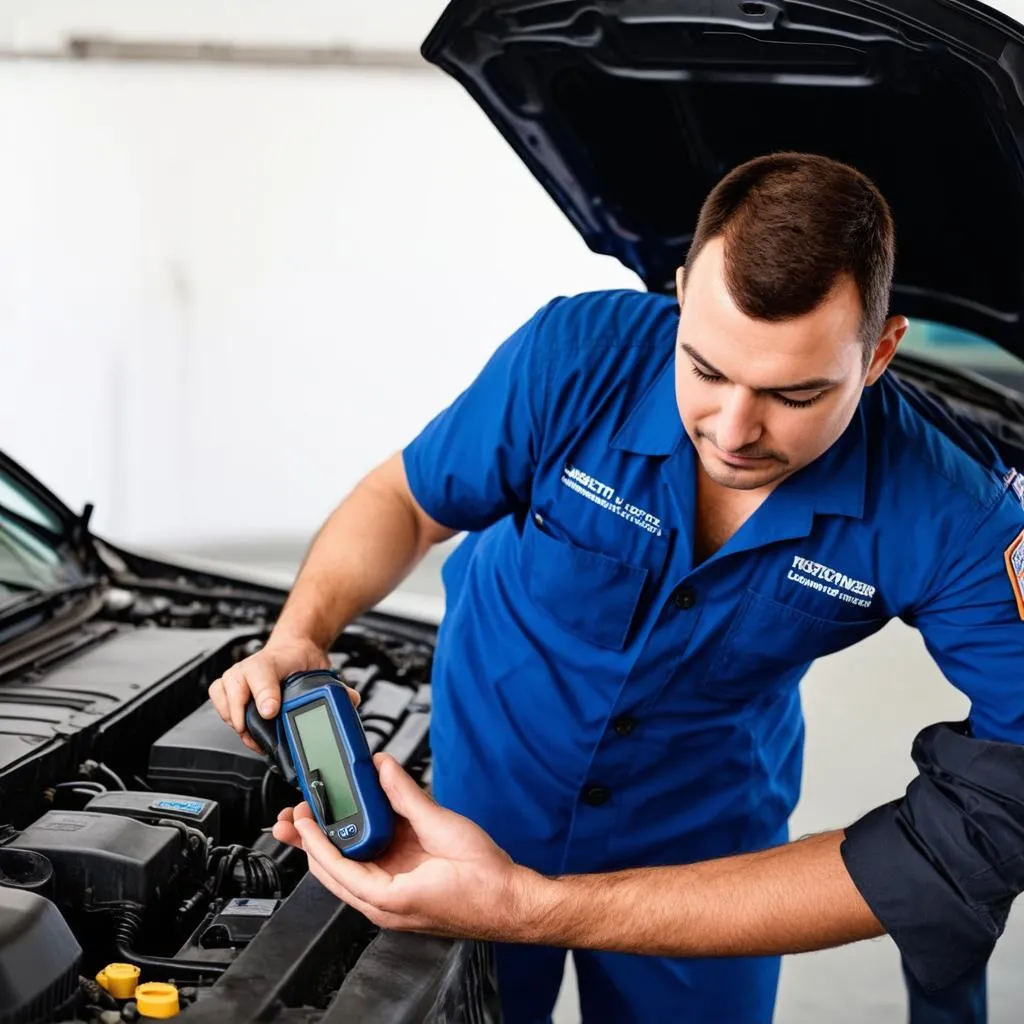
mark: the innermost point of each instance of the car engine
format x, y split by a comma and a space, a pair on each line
138, 875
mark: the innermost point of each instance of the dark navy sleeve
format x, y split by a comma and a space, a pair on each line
474, 462
941, 866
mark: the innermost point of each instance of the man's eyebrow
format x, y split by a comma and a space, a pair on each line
814, 384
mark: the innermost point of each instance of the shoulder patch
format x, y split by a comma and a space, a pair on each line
1014, 558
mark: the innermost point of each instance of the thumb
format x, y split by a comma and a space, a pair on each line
405, 797
439, 831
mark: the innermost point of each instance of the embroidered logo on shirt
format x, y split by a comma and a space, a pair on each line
830, 582
604, 496
1014, 558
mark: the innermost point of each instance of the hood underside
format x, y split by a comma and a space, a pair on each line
629, 111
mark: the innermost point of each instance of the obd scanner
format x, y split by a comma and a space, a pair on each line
317, 744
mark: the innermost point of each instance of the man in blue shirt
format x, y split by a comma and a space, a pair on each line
674, 505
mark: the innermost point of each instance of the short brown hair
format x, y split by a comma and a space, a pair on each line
792, 224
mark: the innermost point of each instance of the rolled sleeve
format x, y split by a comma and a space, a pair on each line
941, 866
474, 462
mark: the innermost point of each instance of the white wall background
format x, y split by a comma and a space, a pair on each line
227, 292
31, 25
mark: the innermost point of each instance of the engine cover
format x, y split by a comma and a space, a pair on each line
152, 807
102, 859
39, 960
110, 700
202, 757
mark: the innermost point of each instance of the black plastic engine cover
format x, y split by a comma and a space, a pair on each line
228, 928
108, 701
102, 859
39, 960
23, 869
151, 807
203, 757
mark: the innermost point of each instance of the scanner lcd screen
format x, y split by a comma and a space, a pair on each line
320, 747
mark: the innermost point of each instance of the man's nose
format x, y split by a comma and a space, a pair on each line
739, 425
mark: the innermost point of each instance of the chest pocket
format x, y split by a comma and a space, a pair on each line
593, 596
768, 639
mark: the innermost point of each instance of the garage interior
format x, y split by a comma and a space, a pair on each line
250, 255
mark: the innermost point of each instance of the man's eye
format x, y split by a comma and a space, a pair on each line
710, 378
801, 403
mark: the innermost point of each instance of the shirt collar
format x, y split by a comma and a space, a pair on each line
654, 426
834, 484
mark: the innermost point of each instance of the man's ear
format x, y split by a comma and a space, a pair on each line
892, 334
680, 279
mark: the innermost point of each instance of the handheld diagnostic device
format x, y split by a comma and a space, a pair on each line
317, 744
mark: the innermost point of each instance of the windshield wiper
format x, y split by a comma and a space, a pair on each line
20, 587
48, 602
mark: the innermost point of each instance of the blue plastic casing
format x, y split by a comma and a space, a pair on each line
368, 832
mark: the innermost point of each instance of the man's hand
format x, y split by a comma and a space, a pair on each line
260, 675
442, 874
445, 876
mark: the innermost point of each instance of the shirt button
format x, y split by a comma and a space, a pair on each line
624, 725
596, 795
684, 598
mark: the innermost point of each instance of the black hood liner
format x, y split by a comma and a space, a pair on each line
629, 111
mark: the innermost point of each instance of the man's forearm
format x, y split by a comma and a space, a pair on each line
788, 899
366, 548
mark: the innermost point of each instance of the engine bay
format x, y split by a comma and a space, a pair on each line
138, 875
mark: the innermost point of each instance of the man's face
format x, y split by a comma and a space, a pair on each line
761, 400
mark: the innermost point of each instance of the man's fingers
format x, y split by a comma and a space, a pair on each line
354, 696
237, 690
284, 832
366, 880
216, 695
265, 688
258, 678
219, 699
331, 884
379, 917
252, 744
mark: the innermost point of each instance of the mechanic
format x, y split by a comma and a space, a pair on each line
673, 506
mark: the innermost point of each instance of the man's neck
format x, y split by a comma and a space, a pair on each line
720, 512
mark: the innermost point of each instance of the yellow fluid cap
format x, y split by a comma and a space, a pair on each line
119, 980
156, 999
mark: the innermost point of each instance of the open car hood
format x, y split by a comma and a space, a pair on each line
629, 111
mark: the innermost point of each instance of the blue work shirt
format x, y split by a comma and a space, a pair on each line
600, 701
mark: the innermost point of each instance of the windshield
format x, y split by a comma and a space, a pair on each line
31, 558
963, 350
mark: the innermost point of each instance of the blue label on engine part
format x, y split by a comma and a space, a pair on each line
185, 806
